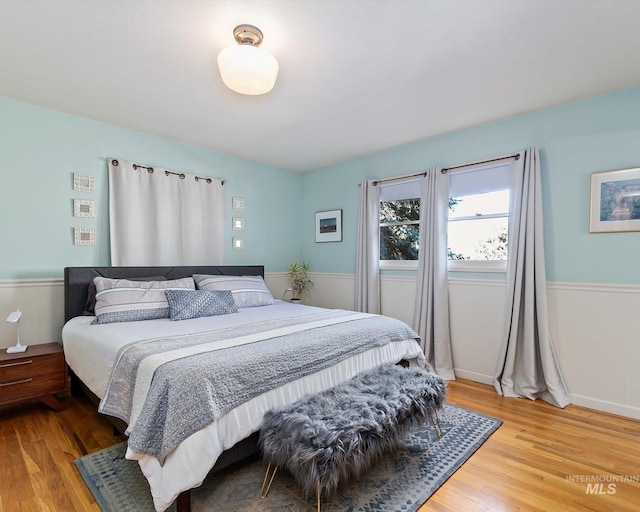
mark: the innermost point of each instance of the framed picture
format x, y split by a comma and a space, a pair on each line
237, 244
237, 203
84, 236
237, 223
615, 201
83, 208
329, 226
82, 182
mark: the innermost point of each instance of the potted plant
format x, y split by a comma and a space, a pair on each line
299, 280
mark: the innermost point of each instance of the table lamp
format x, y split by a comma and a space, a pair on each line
14, 318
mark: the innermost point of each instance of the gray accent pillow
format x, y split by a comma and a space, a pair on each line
248, 291
124, 300
185, 304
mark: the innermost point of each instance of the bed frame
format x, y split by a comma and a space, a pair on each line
76, 288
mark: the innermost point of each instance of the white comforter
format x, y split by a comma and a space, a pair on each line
90, 351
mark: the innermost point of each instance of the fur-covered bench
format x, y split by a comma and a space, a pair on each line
339, 434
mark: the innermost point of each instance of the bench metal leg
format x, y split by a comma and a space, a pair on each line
264, 490
435, 420
266, 487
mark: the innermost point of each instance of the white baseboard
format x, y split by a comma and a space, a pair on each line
474, 376
628, 411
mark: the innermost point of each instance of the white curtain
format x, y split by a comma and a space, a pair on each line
528, 365
367, 293
163, 217
431, 311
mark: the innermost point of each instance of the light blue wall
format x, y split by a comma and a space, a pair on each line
575, 140
40, 149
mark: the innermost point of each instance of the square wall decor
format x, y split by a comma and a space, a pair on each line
237, 244
82, 182
238, 204
84, 236
237, 223
83, 208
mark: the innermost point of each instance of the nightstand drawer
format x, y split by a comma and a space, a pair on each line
32, 386
27, 367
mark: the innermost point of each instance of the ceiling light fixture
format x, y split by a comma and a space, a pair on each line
245, 68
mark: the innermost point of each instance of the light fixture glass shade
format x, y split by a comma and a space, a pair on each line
247, 69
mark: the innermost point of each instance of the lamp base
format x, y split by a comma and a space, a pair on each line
17, 349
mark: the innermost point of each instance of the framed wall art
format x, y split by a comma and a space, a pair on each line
84, 236
615, 201
83, 182
329, 226
83, 208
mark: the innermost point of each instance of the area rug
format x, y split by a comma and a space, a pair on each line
400, 482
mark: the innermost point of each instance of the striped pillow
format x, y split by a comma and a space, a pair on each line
248, 291
122, 300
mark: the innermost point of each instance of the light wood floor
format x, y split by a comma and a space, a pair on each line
524, 466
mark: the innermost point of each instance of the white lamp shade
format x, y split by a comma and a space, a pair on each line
247, 69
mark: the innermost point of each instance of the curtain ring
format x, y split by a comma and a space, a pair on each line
444, 171
182, 176
115, 163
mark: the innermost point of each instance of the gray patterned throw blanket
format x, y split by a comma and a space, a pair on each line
167, 389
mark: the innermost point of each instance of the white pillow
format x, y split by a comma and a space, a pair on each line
122, 300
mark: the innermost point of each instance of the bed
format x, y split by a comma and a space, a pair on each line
191, 392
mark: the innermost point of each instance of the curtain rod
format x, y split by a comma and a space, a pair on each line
403, 177
447, 169
181, 175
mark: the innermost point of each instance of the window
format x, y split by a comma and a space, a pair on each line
478, 219
399, 222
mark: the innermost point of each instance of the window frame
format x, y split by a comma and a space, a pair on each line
477, 266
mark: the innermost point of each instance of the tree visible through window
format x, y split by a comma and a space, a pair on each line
399, 229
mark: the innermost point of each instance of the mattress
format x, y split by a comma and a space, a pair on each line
91, 350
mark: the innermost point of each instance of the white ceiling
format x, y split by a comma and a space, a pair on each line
356, 77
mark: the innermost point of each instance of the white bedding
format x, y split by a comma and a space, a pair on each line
90, 351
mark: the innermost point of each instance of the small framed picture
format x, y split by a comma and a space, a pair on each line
237, 244
615, 201
329, 226
83, 208
82, 182
237, 223
84, 236
238, 204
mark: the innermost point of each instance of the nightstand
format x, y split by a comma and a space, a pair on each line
37, 373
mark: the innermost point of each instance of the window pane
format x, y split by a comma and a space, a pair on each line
479, 204
399, 211
478, 239
399, 242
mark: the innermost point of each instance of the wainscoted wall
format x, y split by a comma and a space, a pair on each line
594, 327
42, 304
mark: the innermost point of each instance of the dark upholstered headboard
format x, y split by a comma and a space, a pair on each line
77, 279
